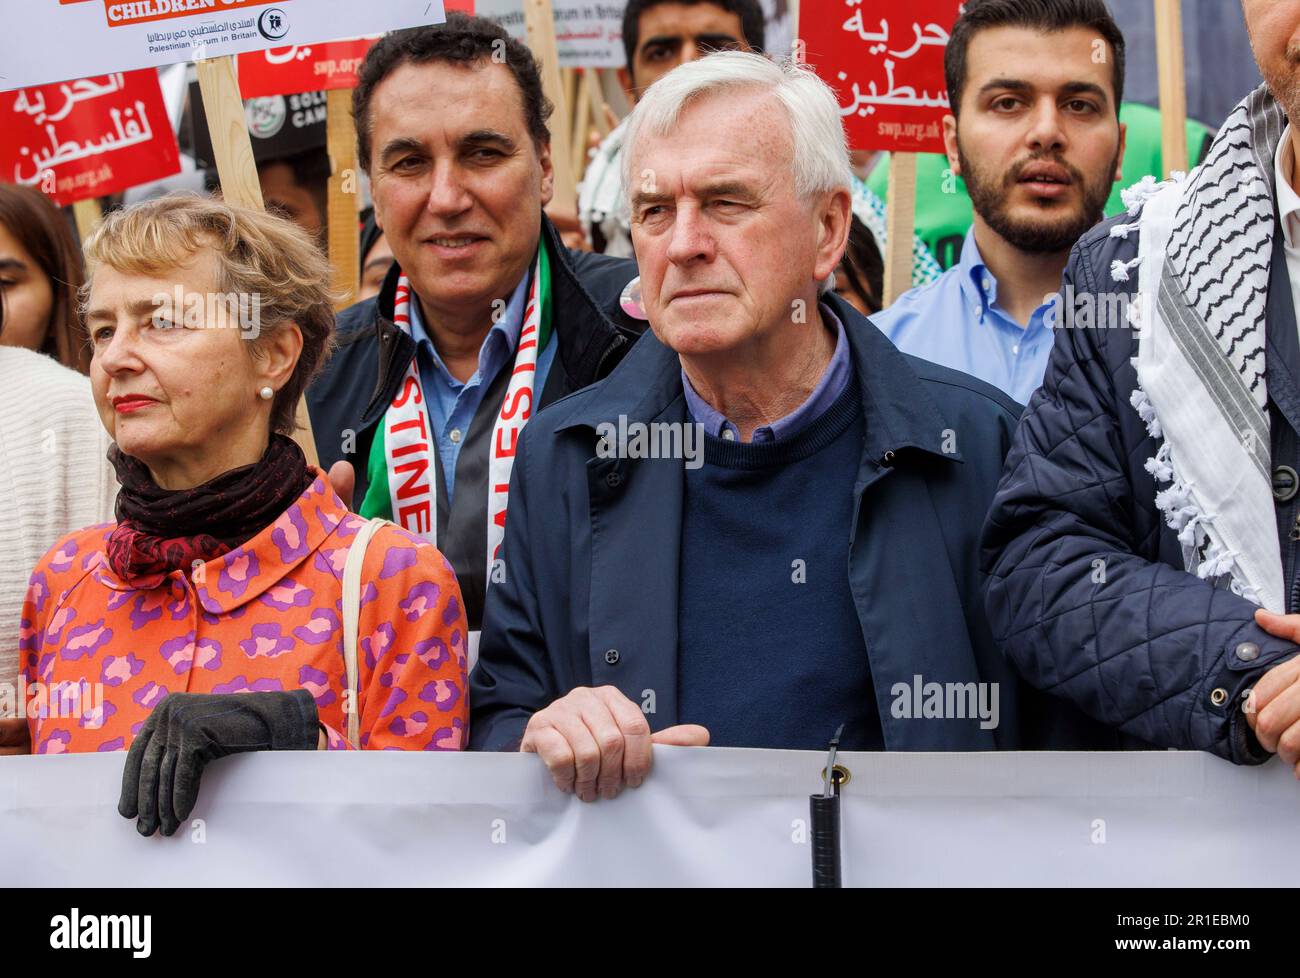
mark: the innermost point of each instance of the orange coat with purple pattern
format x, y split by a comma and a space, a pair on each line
98, 654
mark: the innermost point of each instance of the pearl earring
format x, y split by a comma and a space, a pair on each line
266, 393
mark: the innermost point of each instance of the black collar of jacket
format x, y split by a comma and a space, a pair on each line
586, 335
900, 413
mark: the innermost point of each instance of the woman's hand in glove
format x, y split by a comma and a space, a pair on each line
187, 730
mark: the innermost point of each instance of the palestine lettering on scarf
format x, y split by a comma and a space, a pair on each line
408, 438
408, 442
511, 424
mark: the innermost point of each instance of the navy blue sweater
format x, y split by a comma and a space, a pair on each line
771, 652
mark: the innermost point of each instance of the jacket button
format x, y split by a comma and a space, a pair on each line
1286, 483
611, 656
1219, 696
887, 459
1247, 651
613, 480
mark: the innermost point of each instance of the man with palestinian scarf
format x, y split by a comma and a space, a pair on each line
485, 317
1143, 550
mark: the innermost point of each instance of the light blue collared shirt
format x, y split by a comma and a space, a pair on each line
835, 378
452, 404
956, 322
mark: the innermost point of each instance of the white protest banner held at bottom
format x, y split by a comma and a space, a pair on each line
705, 816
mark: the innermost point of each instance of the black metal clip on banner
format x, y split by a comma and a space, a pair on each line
825, 816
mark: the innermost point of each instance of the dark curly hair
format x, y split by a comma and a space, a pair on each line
463, 40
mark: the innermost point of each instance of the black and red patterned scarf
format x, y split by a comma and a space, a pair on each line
162, 530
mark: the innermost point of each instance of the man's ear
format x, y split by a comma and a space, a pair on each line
834, 219
625, 79
950, 144
548, 172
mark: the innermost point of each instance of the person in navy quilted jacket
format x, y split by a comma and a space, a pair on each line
1143, 550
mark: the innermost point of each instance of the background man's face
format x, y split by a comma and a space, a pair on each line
723, 243
674, 33
1038, 142
283, 195
1274, 29
458, 182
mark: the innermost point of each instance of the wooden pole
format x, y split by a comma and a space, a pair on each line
900, 225
237, 171
599, 108
344, 239
796, 51
1173, 85
581, 110
539, 16
570, 78
87, 214
228, 127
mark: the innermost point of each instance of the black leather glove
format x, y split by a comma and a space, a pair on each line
187, 730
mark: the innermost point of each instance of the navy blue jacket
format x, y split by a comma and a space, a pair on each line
1086, 586
592, 548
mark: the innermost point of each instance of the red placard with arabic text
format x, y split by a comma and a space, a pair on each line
311, 67
83, 139
302, 68
884, 59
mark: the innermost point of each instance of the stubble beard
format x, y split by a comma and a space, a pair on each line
1048, 235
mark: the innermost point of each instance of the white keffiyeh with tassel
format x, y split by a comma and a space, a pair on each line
1203, 273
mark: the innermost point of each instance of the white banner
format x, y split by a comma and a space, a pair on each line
705, 816
53, 42
588, 33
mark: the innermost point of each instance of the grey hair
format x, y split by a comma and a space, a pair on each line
821, 153
820, 147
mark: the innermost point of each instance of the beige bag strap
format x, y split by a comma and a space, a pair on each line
352, 625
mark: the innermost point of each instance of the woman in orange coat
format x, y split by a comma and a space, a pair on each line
208, 619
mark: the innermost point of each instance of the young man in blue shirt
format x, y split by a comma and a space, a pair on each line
1035, 87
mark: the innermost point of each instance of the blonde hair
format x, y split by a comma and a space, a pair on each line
258, 254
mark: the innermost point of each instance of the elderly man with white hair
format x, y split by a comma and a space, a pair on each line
763, 524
